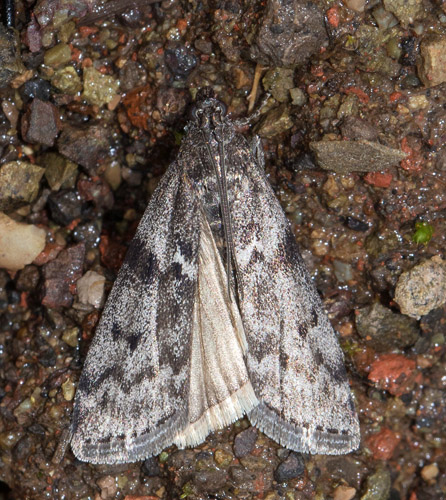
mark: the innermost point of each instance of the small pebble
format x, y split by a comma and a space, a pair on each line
407, 11
99, 89
392, 372
223, 458
20, 243
11, 64
209, 480
343, 271
11, 112
108, 487
86, 145
356, 5
383, 329
432, 65
90, 289
180, 60
383, 443
71, 336
344, 493
67, 80
423, 288
60, 274
58, 55
275, 122
40, 123
298, 97
290, 468
88, 233
384, 18
19, 183
68, 390
430, 472
377, 485
28, 279
151, 467
244, 442
289, 33
416, 102
59, 172
278, 82
65, 206
8, 439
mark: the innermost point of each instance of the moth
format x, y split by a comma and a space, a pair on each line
213, 315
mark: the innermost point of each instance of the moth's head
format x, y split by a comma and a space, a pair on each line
208, 110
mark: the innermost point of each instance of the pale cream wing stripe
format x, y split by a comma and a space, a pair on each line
220, 391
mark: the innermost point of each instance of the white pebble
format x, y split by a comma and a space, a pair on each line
20, 243
90, 289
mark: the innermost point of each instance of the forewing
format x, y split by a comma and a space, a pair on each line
132, 395
294, 359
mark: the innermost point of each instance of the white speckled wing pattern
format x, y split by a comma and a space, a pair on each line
164, 369
294, 360
132, 394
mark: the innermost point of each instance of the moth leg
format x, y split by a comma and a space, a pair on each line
257, 151
241, 123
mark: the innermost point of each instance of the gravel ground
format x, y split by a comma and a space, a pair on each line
94, 98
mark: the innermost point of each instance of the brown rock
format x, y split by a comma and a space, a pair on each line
244, 442
355, 156
394, 373
275, 122
59, 171
353, 128
19, 184
40, 123
28, 279
61, 274
290, 33
383, 329
88, 146
432, 66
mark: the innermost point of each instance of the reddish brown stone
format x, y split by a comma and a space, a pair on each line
383, 444
139, 106
379, 179
393, 373
414, 160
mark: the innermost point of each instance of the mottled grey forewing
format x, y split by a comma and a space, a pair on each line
132, 394
294, 359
